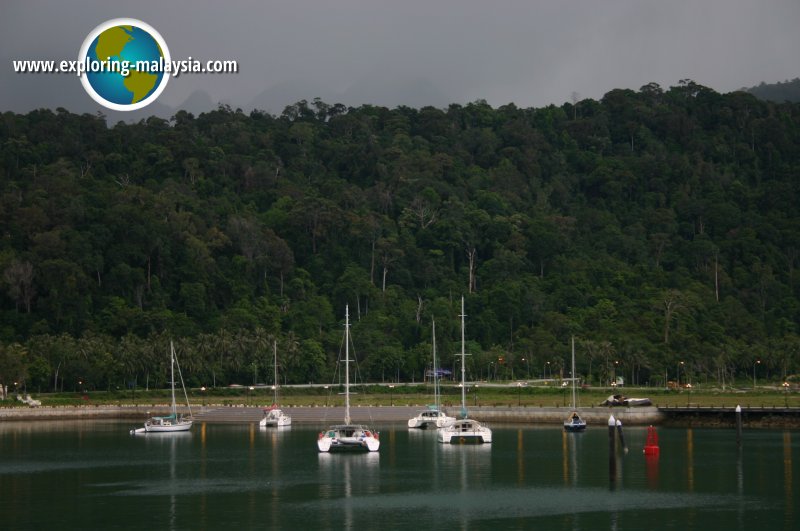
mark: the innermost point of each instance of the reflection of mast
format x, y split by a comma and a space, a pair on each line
569, 450
520, 459
564, 452
787, 475
348, 495
172, 479
690, 459
275, 484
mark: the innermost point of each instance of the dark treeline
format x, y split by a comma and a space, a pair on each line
660, 227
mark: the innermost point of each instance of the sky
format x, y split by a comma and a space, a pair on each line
413, 52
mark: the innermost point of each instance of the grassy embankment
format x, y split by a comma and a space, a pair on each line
419, 395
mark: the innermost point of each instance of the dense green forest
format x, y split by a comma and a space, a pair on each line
659, 227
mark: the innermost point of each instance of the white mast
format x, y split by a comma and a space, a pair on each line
347, 364
435, 371
463, 363
275, 354
574, 403
172, 377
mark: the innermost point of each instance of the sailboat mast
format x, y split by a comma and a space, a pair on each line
463, 363
275, 356
347, 364
574, 403
172, 377
435, 371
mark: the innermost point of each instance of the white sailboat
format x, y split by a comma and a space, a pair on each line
574, 422
466, 429
174, 422
273, 416
433, 415
348, 436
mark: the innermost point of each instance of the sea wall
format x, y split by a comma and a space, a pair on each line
631, 416
80, 412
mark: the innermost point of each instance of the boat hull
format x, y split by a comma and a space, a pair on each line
348, 438
427, 419
465, 432
166, 428
169, 429
574, 423
275, 419
574, 427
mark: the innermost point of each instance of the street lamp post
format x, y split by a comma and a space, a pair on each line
203, 391
327, 395
519, 394
249, 394
680, 364
785, 386
391, 395
758, 362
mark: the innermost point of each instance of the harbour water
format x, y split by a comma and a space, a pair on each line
95, 475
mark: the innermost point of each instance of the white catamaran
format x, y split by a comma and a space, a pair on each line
273, 416
348, 436
433, 416
574, 422
175, 421
464, 430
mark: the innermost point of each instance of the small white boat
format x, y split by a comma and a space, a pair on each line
574, 422
273, 416
175, 422
348, 436
465, 430
433, 416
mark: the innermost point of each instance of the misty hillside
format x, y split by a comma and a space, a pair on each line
777, 92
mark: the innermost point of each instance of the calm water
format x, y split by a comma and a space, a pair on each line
94, 475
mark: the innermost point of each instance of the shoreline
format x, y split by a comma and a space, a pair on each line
596, 416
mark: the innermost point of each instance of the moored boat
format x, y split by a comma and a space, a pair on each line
174, 422
348, 436
464, 430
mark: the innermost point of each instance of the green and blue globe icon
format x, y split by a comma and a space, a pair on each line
125, 59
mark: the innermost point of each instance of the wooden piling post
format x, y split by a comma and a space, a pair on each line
612, 449
621, 437
739, 425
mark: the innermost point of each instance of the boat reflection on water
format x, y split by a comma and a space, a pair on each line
570, 447
787, 475
469, 464
469, 471
171, 440
346, 478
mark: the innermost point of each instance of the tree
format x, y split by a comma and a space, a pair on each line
13, 366
19, 277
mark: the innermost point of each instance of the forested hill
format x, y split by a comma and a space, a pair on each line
786, 91
660, 227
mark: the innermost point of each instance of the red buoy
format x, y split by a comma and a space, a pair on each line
651, 445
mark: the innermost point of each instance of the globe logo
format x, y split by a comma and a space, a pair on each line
125, 61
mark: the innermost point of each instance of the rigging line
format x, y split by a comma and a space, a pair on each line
183, 386
359, 378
